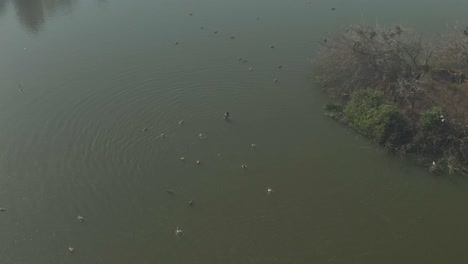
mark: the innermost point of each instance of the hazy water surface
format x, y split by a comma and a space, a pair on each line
80, 80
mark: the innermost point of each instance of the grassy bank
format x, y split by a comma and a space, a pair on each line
403, 92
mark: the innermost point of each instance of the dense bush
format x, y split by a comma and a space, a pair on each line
370, 113
406, 76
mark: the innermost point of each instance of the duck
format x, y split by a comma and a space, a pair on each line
71, 250
201, 136
269, 190
80, 218
244, 166
182, 158
178, 231
198, 162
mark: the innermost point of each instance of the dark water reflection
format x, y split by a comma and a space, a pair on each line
32, 13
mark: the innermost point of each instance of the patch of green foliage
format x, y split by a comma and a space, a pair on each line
433, 119
334, 110
371, 114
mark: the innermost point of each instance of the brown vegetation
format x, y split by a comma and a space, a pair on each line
422, 81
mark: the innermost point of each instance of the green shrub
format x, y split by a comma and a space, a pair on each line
334, 110
371, 114
433, 119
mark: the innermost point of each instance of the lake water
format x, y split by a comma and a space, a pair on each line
80, 80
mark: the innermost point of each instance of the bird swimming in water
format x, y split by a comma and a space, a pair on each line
71, 250
190, 203
181, 122
170, 191
233, 37
240, 59
275, 80
80, 218
254, 146
269, 190
333, 9
3, 209
216, 32
182, 158
226, 115
198, 162
201, 27
176, 43
280, 66
201, 136
162, 135
245, 61
244, 166
178, 231
272, 46
258, 18
145, 129
250, 69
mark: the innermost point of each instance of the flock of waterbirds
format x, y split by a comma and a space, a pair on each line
179, 231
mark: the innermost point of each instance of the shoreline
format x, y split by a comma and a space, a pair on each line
406, 94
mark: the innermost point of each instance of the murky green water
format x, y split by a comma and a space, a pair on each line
80, 80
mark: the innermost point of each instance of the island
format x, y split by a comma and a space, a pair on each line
405, 92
